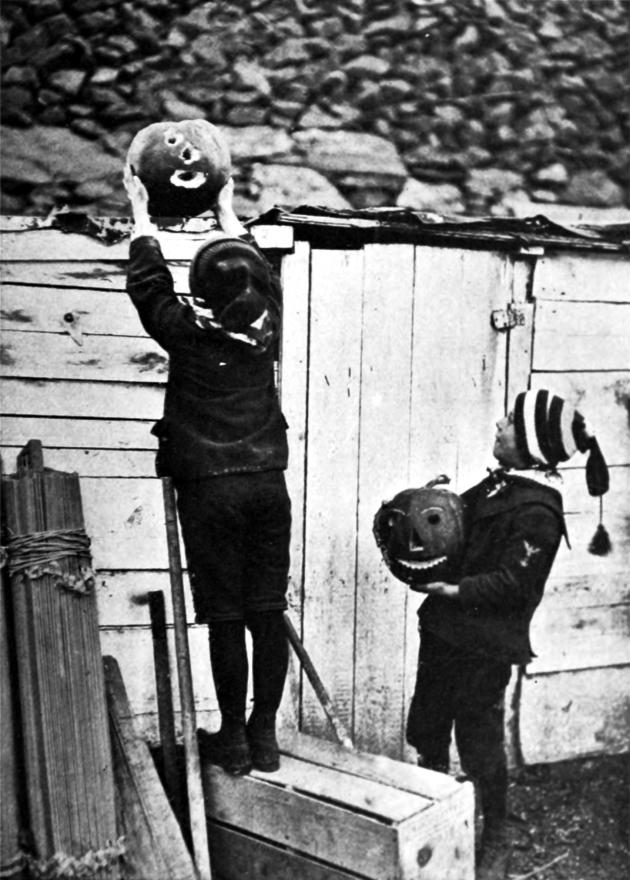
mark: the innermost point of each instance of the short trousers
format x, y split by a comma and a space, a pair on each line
236, 530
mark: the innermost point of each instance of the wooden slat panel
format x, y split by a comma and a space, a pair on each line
579, 336
580, 638
572, 714
600, 277
182, 244
92, 462
520, 341
81, 399
31, 309
383, 470
302, 823
89, 434
132, 648
427, 784
91, 275
125, 520
459, 380
582, 516
331, 485
604, 400
293, 382
100, 358
236, 856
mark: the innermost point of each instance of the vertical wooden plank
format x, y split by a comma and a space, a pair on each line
293, 379
520, 338
458, 374
331, 478
383, 471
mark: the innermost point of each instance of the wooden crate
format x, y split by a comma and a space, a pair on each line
330, 814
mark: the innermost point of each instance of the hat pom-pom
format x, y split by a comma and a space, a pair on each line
600, 542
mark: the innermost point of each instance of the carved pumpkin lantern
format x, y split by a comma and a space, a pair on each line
183, 165
420, 533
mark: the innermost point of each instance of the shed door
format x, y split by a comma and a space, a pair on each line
391, 374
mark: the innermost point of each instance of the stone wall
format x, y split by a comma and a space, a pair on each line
448, 105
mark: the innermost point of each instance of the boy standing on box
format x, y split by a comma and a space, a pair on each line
223, 440
473, 631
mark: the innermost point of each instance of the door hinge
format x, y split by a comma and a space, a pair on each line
508, 318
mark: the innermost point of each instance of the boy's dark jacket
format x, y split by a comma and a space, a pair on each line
221, 410
513, 532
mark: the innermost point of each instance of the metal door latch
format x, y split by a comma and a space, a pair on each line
508, 318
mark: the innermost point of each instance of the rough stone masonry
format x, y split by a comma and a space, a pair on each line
483, 106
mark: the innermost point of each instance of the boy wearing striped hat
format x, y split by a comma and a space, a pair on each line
473, 631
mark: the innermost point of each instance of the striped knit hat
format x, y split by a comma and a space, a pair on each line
548, 431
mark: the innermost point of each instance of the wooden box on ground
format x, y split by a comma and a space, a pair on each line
330, 814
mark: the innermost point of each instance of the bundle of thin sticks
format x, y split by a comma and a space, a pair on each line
65, 733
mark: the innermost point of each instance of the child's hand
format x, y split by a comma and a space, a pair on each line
439, 588
139, 198
226, 218
137, 192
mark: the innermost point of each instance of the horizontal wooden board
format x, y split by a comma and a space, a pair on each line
85, 434
576, 336
582, 517
93, 462
238, 856
604, 400
89, 275
291, 818
132, 647
378, 768
572, 714
580, 638
98, 359
46, 309
26, 245
83, 400
595, 277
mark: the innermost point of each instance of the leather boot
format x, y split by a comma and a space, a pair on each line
270, 662
229, 747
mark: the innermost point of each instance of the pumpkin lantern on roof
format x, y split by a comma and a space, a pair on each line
183, 164
420, 534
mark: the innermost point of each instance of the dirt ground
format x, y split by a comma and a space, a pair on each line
573, 816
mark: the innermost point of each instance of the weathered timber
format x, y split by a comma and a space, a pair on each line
342, 811
155, 847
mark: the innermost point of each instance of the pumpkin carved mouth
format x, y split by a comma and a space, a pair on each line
420, 534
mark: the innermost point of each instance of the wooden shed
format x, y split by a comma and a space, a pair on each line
404, 339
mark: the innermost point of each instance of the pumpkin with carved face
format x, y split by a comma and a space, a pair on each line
183, 165
420, 533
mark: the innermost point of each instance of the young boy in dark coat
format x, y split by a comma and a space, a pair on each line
223, 440
473, 631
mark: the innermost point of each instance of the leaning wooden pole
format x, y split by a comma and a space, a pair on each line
343, 737
196, 807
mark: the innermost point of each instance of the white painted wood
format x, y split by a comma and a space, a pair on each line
580, 638
293, 387
44, 309
122, 597
383, 470
99, 358
520, 339
573, 714
575, 336
73, 433
91, 462
278, 238
594, 277
331, 479
604, 400
82, 400
124, 518
91, 275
